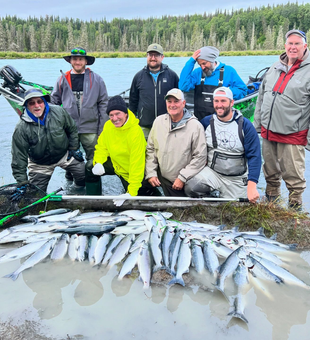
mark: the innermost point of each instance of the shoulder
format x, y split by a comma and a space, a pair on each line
206, 121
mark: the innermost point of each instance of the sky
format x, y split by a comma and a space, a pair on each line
128, 9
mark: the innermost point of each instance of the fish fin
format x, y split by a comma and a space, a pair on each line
12, 276
222, 226
261, 231
274, 236
180, 281
239, 316
235, 229
293, 246
279, 280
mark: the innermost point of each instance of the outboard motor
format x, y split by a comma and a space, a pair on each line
11, 79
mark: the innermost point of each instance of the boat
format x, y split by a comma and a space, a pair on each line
13, 91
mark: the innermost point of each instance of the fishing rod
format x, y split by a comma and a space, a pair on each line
8, 218
59, 198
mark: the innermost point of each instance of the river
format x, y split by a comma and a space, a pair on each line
68, 300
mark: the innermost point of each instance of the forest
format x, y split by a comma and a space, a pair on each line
259, 28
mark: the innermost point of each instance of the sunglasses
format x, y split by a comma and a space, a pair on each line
34, 102
78, 51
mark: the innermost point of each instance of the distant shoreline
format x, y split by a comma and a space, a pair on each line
58, 55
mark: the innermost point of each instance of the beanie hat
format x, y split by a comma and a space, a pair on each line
209, 53
116, 103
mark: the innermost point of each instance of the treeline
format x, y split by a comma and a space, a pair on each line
260, 28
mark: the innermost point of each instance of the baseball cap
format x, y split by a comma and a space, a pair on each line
297, 32
223, 92
176, 93
155, 48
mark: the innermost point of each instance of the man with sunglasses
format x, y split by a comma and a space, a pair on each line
45, 137
149, 86
282, 116
84, 95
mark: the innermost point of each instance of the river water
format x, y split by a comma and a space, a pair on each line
68, 300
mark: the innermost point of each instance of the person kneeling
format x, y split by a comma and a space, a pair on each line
120, 151
234, 157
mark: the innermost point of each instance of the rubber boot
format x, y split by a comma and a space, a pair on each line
94, 188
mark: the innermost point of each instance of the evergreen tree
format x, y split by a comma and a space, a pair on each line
2, 38
280, 39
70, 41
269, 42
83, 40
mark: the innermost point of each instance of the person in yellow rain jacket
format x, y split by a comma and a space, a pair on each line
120, 151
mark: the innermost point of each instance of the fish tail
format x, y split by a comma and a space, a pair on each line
222, 291
12, 276
238, 315
293, 246
180, 281
158, 267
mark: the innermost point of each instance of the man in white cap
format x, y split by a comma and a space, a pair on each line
205, 79
176, 149
282, 116
149, 86
45, 137
83, 94
234, 157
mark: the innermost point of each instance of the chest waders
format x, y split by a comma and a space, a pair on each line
203, 97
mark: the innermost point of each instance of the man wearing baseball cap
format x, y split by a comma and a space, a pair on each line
282, 116
149, 86
176, 149
84, 95
234, 157
205, 79
45, 137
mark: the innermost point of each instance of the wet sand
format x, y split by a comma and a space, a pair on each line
68, 300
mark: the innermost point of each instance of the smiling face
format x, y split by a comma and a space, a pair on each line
175, 108
294, 48
154, 60
222, 107
36, 106
118, 118
78, 64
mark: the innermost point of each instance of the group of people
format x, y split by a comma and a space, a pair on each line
157, 142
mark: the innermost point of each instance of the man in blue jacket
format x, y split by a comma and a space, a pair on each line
204, 80
149, 87
234, 156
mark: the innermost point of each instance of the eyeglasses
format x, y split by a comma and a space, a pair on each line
155, 55
34, 102
78, 51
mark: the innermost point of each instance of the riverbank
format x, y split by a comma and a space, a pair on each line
58, 55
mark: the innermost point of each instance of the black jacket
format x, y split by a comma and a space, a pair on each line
146, 98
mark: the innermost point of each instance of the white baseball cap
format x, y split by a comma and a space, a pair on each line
176, 93
223, 92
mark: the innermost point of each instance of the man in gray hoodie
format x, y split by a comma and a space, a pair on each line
84, 96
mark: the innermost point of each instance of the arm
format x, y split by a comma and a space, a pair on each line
56, 93
236, 84
252, 151
102, 104
199, 153
137, 161
134, 96
257, 113
20, 148
151, 163
189, 77
71, 131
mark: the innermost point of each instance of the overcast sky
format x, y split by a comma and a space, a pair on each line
98, 9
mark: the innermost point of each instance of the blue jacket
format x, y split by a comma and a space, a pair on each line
251, 144
189, 78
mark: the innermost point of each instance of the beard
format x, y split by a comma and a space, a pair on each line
208, 71
226, 112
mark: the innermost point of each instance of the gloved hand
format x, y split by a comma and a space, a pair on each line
98, 169
18, 193
119, 202
77, 154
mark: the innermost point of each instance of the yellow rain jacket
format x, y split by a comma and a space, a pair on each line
126, 147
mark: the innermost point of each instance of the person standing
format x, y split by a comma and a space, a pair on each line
84, 95
234, 157
282, 116
149, 86
176, 148
44, 138
205, 79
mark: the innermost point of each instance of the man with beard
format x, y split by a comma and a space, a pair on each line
204, 80
149, 87
234, 157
